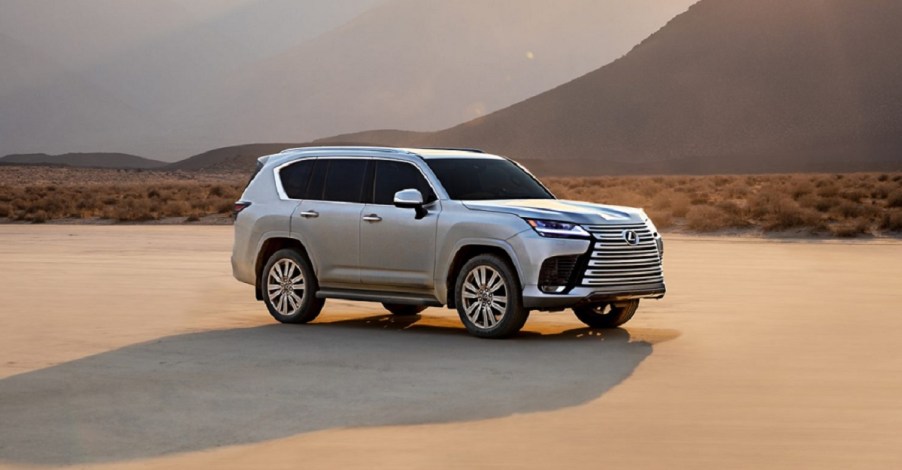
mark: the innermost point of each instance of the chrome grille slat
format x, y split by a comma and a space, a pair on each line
613, 262
600, 282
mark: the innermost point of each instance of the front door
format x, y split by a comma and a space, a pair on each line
397, 250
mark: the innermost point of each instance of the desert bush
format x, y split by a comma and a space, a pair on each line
854, 194
663, 200
801, 187
827, 189
679, 205
894, 199
661, 217
892, 221
706, 219
175, 209
134, 210
827, 203
882, 190
849, 209
851, 228
784, 214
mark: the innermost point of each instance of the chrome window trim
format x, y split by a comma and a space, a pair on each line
277, 176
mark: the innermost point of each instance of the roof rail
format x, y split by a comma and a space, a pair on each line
462, 149
346, 147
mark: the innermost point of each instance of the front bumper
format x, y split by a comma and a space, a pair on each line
532, 251
535, 299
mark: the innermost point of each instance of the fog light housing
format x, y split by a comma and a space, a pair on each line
556, 273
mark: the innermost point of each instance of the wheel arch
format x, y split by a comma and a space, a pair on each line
267, 248
469, 250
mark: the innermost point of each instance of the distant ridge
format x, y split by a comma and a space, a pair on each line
93, 160
728, 87
237, 157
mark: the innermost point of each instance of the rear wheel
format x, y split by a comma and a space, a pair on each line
606, 315
403, 310
488, 298
289, 288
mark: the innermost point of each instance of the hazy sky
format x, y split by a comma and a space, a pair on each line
169, 78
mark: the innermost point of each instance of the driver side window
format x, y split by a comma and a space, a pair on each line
392, 176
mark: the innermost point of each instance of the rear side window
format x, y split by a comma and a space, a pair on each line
392, 177
295, 179
344, 180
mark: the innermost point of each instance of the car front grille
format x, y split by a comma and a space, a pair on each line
614, 262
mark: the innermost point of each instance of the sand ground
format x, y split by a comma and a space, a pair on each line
132, 347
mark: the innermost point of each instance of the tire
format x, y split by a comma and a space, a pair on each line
481, 284
287, 301
402, 310
606, 315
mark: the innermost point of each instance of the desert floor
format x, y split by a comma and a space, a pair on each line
132, 347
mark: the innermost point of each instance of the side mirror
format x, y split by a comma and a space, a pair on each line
411, 199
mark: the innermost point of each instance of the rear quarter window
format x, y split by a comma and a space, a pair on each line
295, 178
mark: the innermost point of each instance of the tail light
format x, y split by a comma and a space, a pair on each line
238, 207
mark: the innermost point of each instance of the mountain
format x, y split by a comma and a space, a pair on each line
425, 65
238, 157
89, 160
728, 86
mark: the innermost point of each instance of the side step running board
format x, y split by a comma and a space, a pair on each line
389, 298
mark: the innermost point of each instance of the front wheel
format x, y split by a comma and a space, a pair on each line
488, 298
606, 315
289, 288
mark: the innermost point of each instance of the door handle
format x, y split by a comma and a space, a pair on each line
310, 214
372, 218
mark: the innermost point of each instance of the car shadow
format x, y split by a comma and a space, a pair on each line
204, 390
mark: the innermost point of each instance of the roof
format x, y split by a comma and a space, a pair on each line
352, 151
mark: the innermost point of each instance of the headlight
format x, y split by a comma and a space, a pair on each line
552, 229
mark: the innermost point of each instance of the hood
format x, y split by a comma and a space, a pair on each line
560, 210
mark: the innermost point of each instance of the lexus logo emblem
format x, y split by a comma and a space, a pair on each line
630, 237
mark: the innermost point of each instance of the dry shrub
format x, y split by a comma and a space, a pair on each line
134, 210
785, 214
826, 204
827, 189
707, 219
851, 228
663, 200
801, 187
849, 209
37, 217
882, 190
732, 209
892, 221
175, 209
855, 194
679, 205
894, 199
662, 219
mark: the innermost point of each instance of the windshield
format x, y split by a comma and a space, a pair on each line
479, 179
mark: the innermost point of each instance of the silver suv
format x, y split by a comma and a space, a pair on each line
417, 228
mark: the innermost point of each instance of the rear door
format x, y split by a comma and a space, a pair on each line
327, 221
397, 250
